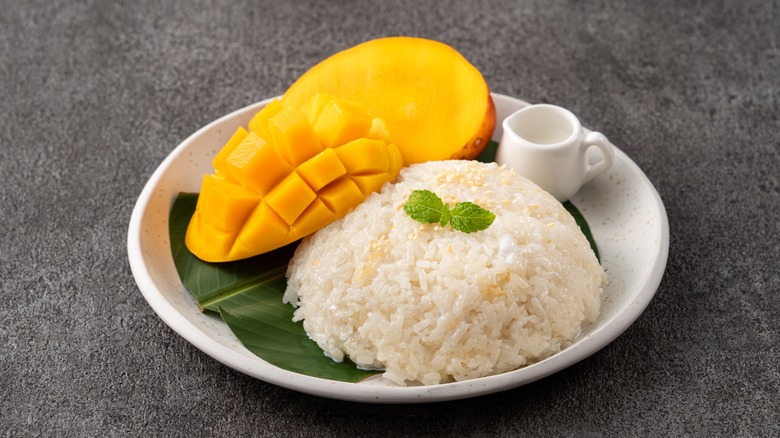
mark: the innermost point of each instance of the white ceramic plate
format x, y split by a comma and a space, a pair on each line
626, 215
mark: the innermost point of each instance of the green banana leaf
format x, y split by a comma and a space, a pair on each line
248, 296
580, 219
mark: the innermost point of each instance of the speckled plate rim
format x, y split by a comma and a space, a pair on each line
181, 171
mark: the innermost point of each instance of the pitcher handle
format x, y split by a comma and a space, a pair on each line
598, 140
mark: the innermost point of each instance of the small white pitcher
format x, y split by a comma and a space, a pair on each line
546, 144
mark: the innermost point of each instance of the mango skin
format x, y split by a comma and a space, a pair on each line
435, 104
289, 175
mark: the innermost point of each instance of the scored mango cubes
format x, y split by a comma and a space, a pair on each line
293, 172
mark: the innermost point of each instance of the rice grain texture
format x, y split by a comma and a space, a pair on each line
430, 304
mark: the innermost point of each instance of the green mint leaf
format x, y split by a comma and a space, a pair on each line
469, 217
424, 206
446, 215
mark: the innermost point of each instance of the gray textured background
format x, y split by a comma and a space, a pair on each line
94, 95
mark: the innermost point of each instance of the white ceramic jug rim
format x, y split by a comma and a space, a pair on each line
574, 123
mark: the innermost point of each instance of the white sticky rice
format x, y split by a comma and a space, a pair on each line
430, 304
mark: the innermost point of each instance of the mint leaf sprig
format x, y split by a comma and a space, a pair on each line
426, 207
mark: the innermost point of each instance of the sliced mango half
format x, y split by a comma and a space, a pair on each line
292, 173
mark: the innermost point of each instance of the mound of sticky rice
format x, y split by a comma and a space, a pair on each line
432, 304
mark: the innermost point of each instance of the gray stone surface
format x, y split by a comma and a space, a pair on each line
94, 95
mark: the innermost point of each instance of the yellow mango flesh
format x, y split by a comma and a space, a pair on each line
293, 136
339, 122
229, 203
342, 195
287, 177
434, 103
290, 198
322, 169
259, 122
230, 146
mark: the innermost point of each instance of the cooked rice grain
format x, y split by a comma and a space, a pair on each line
433, 304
